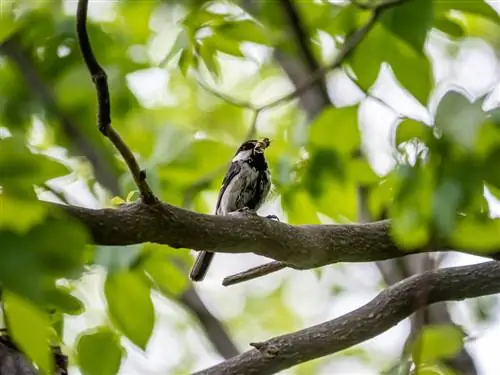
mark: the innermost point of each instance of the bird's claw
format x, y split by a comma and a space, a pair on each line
244, 211
273, 217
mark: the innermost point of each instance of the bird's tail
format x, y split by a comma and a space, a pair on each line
201, 265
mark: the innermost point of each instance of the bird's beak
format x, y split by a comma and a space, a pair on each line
261, 145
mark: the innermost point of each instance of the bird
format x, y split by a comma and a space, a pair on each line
245, 187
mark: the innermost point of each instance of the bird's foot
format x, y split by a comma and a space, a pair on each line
273, 217
244, 211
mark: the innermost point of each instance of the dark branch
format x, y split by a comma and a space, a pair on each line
104, 109
302, 247
303, 40
380, 314
213, 328
253, 273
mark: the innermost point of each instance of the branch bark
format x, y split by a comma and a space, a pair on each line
302, 246
380, 314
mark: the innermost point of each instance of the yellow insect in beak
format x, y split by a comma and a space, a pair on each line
262, 144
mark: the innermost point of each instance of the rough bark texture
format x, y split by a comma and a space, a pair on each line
383, 312
302, 247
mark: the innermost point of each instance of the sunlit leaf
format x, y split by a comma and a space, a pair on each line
130, 306
186, 60
102, 344
227, 46
411, 68
170, 280
245, 30
410, 129
20, 214
210, 60
26, 261
61, 299
181, 43
479, 235
410, 21
299, 208
437, 342
336, 128
459, 119
18, 166
29, 327
449, 27
479, 7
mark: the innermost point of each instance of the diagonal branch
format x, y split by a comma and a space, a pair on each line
104, 109
380, 314
253, 273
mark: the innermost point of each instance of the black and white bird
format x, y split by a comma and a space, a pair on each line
246, 185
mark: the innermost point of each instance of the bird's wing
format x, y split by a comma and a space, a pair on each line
233, 170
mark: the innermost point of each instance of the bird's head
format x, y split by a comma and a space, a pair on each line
251, 148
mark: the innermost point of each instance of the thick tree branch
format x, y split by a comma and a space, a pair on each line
104, 108
302, 247
383, 312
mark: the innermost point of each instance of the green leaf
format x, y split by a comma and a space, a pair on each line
210, 60
167, 276
449, 27
8, 24
480, 235
361, 172
185, 61
181, 43
411, 21
133, 196
492, 168
20, 214
99, 352
29, 328
410, 129
437, 342
478, 7
26, 261
245, 30
447, 198
130, 306
20, 167
459, 119
412, 69
299, 207
336, 128
61, 299
116, 258
221, 44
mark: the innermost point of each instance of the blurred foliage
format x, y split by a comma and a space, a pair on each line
154, 52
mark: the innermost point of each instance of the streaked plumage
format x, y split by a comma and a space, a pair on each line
246, 184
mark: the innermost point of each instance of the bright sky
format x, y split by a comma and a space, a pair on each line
475, 68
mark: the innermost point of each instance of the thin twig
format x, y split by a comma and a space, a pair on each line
253, 273
224, 97
104, 110
348, 47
